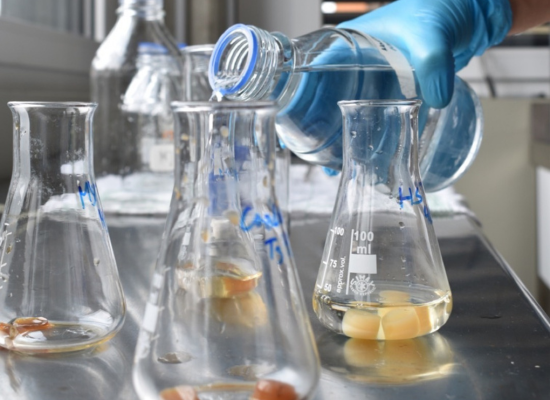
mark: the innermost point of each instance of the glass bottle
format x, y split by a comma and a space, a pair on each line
148, 153
59, 288
308, 75
225, 317
381, 275
112, 70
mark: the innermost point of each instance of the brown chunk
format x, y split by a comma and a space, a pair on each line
273, 390
179, 393
28, 324
4, 328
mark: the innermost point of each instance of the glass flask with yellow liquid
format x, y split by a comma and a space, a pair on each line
381, 276
59, 287
225, 317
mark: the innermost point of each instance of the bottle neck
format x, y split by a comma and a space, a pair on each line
247, 62
147, 9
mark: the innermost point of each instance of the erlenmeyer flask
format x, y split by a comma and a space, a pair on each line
60, 289
225, 318
381, 275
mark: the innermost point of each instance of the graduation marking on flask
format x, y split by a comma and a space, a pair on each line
329, 262
362, 262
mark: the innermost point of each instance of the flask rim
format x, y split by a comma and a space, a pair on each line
219, 48
381, 103
224, 106
51, 104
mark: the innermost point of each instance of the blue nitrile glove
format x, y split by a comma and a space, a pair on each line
438, 37
330, 171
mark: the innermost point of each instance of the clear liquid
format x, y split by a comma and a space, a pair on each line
70, 279
54, 336
399, 313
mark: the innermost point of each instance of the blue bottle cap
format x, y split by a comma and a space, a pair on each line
151, 48
219, 49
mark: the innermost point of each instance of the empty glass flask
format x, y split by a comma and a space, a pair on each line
59, 288
308, 75
381, 275
114, 66
225, 317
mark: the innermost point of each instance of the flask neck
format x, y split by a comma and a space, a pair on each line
52, 140
146, 9
380, 141
247, 61
225, 154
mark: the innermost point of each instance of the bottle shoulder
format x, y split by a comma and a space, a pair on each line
119, 50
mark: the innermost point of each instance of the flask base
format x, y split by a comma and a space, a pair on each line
398, 312
52, 336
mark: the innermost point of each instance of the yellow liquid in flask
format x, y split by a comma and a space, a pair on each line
398, 314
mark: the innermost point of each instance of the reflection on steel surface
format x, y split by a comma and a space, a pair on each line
391, 362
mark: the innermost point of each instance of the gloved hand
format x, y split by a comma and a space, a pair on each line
438, 37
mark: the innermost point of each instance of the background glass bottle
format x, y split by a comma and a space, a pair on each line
308, 75
148, 153
225, 316
112, 70
59, 288
381, 275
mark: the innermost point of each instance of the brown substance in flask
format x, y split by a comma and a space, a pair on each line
179, 393
273, 390
4, 328
29, 324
